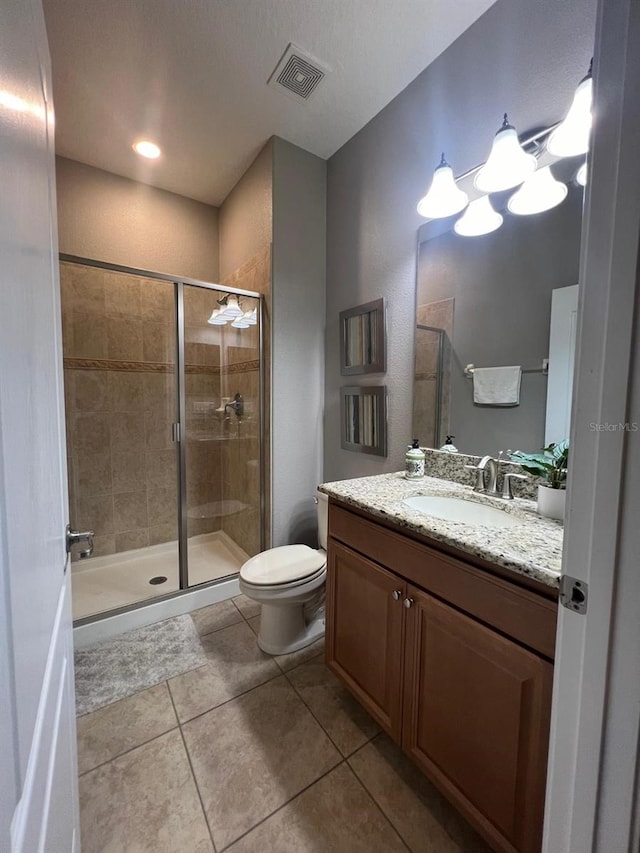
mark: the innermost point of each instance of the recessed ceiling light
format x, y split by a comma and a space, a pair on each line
146, 149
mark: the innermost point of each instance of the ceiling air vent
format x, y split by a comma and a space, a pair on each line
297, 74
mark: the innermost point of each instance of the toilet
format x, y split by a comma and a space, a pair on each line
289, 583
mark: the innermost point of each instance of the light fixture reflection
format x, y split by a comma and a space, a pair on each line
443, 197
240, 323
251, 317
479, 218
217, 318
231, 307
581, 175
147, 149
508, 164
541, 191
571, 136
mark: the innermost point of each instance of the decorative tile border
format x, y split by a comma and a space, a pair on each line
156, 366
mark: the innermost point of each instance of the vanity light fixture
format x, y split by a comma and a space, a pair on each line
443, 198
230, 309
240, 323
541, 191
571, 136
217, 318
147, 149
479, 218
508, 164
581, 175
251, 317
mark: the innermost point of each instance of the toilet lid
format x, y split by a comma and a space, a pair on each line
283, 565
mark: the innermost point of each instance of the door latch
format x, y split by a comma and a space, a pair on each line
74, 537
574, 594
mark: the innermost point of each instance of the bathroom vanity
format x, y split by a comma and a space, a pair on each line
445, 632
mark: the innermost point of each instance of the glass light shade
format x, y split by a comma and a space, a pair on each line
232, 309
444, 198
541, 191
479, 218
571, 136
508, 164
217, 318
251, 317
240, 323
581, 176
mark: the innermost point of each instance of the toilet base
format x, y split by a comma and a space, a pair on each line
285, 629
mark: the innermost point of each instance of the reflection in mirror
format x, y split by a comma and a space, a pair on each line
427, 396
490, 296
362, 339
363, 414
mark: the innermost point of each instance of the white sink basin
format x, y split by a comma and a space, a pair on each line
456, 509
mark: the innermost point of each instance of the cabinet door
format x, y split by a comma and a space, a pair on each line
477, 709
364, 633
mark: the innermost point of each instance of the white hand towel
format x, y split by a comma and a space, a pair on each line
497, 386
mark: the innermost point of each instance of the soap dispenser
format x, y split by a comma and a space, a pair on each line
448, 446
414, 461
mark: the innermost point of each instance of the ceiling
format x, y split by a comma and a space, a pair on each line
192, 76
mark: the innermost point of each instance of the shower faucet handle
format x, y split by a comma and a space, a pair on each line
74, 537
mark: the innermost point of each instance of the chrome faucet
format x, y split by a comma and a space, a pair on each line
486, 465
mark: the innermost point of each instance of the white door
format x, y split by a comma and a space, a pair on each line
38, 777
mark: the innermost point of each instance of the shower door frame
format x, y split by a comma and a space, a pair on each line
179, 282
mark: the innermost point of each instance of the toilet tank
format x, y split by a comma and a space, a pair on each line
323, 519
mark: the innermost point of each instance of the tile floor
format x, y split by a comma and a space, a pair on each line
252, 753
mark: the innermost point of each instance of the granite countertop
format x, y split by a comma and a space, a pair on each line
533, 548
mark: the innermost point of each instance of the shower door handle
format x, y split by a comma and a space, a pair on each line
74, 537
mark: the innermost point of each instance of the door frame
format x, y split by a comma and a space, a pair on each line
594, 761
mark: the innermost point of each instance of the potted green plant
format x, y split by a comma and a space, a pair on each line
551, 465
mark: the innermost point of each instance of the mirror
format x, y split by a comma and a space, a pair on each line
363, 415
362, 339
486, 301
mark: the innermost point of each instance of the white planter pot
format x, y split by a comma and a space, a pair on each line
551, 502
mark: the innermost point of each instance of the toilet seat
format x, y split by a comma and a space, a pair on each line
284, 567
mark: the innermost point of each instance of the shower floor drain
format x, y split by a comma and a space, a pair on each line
157, 580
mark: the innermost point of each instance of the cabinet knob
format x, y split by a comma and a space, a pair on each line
397, 594
408, 602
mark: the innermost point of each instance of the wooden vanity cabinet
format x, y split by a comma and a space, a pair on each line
467, 702
365, 644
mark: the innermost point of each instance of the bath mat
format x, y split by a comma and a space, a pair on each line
116, 668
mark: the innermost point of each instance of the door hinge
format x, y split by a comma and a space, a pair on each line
175, 432
574, 594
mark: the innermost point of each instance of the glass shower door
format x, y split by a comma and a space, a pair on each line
221, 519
119, 341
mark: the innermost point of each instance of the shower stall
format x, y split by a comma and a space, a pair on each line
166, 431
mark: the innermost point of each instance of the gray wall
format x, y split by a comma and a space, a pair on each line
109, 218
246, 214
299, 246
523, 57
502, 284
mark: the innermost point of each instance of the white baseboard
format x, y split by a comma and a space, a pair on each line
154, 611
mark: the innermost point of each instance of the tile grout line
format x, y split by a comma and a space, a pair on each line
226, 701
373, 799
193, 774
127, 751
288, 802
320, 723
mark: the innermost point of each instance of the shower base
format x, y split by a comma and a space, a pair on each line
117, 580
